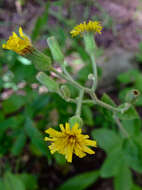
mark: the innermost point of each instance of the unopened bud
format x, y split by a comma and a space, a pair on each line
47, 82
41, 61
65, 91
132, 96
75, 119
55, 50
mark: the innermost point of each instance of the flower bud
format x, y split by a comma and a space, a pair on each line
75, 119
41, 61
65, 92
55, 50
132, 96
47, 82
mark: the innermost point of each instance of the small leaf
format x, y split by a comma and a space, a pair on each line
106, 138
130, 114
129, 76
80, 182
105, 98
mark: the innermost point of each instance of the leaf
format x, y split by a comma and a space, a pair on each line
106, 138
136, 187
13, 182
29, 181
105, 98
13, 103
130, 114
36, 137
133, 154
112, 163
138, 83
133, 127
107, 113
129, 76
123, 180
19, 144
80, 182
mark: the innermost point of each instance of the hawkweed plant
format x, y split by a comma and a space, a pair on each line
70, 139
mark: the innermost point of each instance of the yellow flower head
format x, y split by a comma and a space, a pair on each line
69, 140
91, 26
20, 44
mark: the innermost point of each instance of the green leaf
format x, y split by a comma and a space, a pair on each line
138, 83
107, 114
106, 138
123, 180
18, 144
13, 103
133, 127
105, 98
36, 137
29, 181
130, 114
13, 182
80, 182
129, 76
112, 163
133, 155
136, 187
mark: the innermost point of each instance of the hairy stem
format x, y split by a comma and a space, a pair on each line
118, 122
79, 103
94, 66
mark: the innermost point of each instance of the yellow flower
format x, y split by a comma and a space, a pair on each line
69, 140
20, 44
91, 26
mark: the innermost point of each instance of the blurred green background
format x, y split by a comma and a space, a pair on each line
27, 108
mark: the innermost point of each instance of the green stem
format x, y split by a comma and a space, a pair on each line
103, 104
69, 79
79, 102
118, 122
94, 66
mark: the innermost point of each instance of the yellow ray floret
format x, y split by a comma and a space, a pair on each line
91, 26
20, 44
68, 141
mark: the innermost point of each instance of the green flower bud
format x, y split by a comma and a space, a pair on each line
89, 42
41, 61
55, 50
65, 92
132, 96
47, 82
75, 119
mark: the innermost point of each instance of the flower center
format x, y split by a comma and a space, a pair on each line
72, 138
